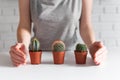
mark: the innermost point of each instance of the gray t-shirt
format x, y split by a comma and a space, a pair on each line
56, 20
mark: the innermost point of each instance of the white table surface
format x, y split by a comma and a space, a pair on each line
110, 70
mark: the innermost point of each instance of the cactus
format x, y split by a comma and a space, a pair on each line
58, 47
35, 45
81, 47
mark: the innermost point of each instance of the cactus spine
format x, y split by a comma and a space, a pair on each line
58, 46
81, 47
35, 45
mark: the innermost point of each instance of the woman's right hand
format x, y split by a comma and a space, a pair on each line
18, 54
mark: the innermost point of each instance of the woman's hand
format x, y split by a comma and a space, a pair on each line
98, 52
18, 54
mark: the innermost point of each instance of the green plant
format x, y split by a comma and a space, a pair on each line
81, 47
58, 47
35, 45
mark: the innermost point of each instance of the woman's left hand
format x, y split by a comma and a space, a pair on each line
98, 52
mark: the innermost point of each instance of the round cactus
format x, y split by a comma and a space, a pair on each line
58, 46
81, 47
35, 45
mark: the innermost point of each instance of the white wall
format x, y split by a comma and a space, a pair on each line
8, 23
106, 22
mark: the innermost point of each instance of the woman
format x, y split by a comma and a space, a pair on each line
55, 19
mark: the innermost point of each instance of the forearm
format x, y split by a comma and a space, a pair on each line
24, 35
87, 34
86, 30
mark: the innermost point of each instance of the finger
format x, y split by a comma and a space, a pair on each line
100, 51
100, 58
101, 55
15, 64
18, 64
100, 61
23, 48
18, 45
14, 48
13, 55
17, 52
17, 58
98, 44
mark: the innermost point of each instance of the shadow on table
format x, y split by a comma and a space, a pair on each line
70, 61
5, 60
47, 62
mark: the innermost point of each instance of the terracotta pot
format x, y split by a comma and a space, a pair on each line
80, 57
35, 57
58, 57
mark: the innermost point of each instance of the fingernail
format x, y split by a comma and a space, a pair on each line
17, 65
97, 63
24, 57
24, 63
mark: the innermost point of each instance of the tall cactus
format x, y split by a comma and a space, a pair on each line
81, 47
59, 46
35, 45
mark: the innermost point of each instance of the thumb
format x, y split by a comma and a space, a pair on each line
18, 45
99, 44
21, 47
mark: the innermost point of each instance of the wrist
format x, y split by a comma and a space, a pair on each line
90, 44
25, 45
